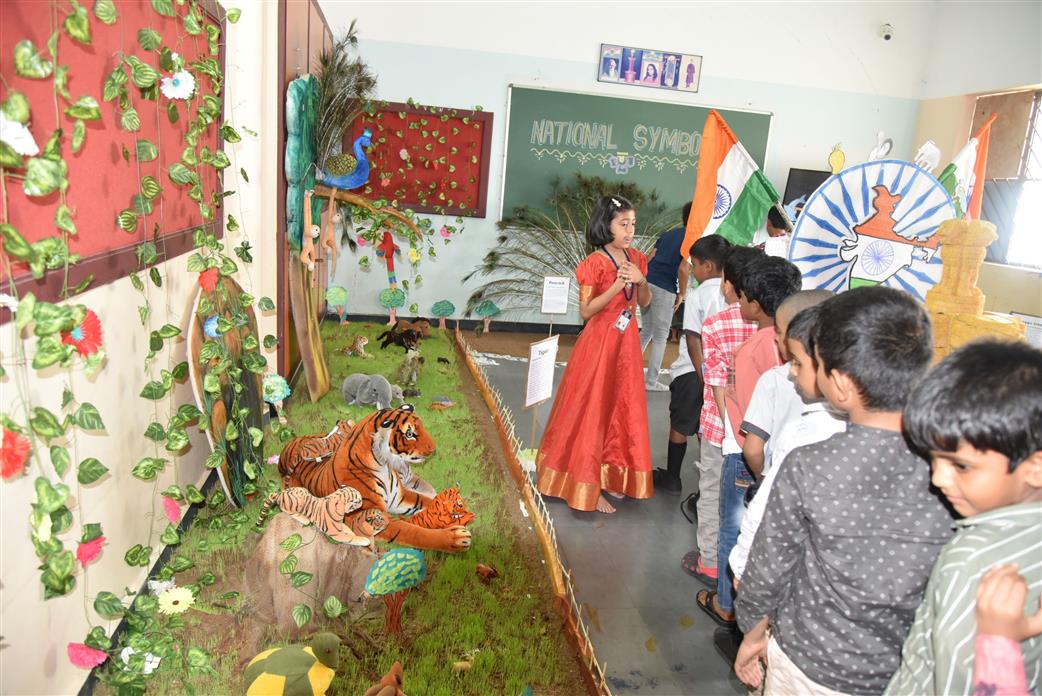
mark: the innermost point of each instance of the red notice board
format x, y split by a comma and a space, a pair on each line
102, 180
428, 158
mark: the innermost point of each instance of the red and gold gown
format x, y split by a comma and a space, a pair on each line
597, 435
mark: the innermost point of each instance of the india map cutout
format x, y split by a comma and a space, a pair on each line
873, 224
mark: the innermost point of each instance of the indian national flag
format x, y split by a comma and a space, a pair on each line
963, 179
732, 195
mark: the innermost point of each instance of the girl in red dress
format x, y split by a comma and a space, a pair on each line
597, 436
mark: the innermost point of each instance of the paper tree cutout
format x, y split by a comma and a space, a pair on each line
392, 577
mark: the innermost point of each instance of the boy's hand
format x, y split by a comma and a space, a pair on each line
1001, 597
751, 655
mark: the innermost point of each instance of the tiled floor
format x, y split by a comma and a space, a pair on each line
640, 604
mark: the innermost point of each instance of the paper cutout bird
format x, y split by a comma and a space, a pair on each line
295, 670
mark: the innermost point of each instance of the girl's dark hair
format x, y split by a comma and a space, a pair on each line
987, 393
598, 229
880, 338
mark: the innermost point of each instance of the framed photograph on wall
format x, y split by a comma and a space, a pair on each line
649, 68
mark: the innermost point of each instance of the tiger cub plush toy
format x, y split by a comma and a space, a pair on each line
445, 510
357, 463
327, 514
310, 449
357, 347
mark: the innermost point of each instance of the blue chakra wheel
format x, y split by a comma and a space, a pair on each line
872, 224
722, 203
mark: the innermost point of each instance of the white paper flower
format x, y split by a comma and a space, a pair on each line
17, 135
8, 302
180, 85
158, 587
151, 661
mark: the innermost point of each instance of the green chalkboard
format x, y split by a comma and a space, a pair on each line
650, 143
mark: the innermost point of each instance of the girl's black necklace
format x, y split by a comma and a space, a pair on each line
627, 289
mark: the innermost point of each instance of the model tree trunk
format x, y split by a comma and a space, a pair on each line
394, 602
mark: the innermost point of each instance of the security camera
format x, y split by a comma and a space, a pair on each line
886, 32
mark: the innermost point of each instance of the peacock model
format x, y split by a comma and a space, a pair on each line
346, 172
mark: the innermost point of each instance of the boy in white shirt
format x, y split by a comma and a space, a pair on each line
685, 388
815, 422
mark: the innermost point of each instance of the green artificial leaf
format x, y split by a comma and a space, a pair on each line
147, 253
176, 440
146, 151
170, 536
148, 468
109, 606
207, 579
142, 74
155, 343
255, 363
242, 173
250, 342
194, 495
233, 14
169, 331
153, 390
192, 25
138, 555
214, 460
97, 639
171, 112
80, 287
198, 660
230, 134
45, 424
250, 469
127, 220
16, 107
265, 304
143, 312
77, 23
53, 149
333, 607
290, 543
26, 311
300, 578
243, 251
153, 274
151, 189
206, 212
213, 36
301, 615
49, 351
155, 432
42, 176
181, 371
15, 244
270, 341
88, 418
149, 39
180, 174
163, 7
91, 531
105, 11
28, 62
61, 81
57, 575
212, 384
233, 224
49, 498
60, 460
220, 160
79, 135
180, 564
90, 470
9, 159
231, 432
288, 565
130, 121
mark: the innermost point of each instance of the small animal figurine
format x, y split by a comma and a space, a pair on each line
390, 685
327, 514
410, 393
409, 339
420, 326
409, 369
295, 670
357, 347
360, 388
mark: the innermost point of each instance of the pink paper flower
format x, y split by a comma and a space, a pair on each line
14, 454
86, 657
88, 551
361, 240
208, 279
385, 182
445, 231
172, 510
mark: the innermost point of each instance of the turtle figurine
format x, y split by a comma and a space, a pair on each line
294, 670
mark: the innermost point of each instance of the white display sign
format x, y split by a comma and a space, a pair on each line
555, 294
539, 386
1033, 324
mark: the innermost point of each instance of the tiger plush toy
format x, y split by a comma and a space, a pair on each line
445, 510
310, 449
357, 347
357, 463
327, 514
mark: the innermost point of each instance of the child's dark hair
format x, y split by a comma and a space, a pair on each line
778, 219
738, 260
712, 248
769, 280
801, 329
598, 229
685, 212
878, 336
987, 393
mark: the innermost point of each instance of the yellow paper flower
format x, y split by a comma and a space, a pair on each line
414, 255
176, 600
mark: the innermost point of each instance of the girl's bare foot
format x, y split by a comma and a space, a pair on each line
613, 494
604, 506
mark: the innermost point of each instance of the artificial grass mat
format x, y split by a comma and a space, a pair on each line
506, 629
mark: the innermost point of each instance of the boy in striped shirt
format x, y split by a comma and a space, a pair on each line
978, 417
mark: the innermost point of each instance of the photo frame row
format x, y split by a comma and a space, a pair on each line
649, 68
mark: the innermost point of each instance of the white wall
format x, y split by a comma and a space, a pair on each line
820, 68
36, 632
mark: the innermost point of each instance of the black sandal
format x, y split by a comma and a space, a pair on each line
704, 600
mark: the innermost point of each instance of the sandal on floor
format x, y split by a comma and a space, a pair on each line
704, 600
691, 563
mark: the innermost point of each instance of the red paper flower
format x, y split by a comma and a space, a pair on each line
172, 510
208, 279
86, 337
89, 550
15, 454
84, 656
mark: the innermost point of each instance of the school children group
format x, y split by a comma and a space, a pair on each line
870, 522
